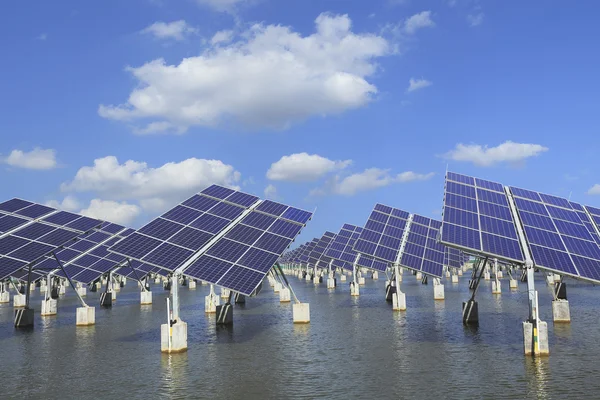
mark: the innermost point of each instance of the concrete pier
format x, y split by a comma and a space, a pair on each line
499, 274
454, 278
419, 276
177, 335
513, 284
225, 293
375, 275
460, 272
284, 295
317, 279
486, 276
301, 313
157, 280
308, 277
496, 287
145, 297
399, 301
225, 314
82, 291
470, 312
24, 317
210, 303
62, 290
438, 292
354, 289
192, 284
49, 307
361, 280
330, 283
277, 287
343, 278
19, 300
560, 311
4, 297
542, 344
86, 316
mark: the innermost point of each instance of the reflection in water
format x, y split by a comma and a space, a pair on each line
562, 330
537, 370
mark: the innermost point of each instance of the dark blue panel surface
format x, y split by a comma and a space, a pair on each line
83, 224
35, 211
219, 192
259, 260
34, 231
200, 203
8, 266
271, 207
295, 214
285, 228
168, 256
61, 218
227, 211
58, 237
161, 229
135, 245
183, 215
244, 234
227, 250
258, 220
14, 205
9, 244
208, 269
243, 199
241, 280
191, 238
460, 178
32, 251
9, 222
210, 223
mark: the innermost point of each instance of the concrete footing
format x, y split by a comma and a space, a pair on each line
24, 318
284, 295
542, 340
277, 287
157, 280
454, 278
470, 312
49, 307
499, 274
307, 278
203, 283
487, 276
419, 276
145, 297
438, 292
460, 272
225, 293
86, 316
560, 311
82, 291
343, 278
316, 279
192, 284
225, 314
19, 300
116, 286
496, 287
178, 335
354, 289
301, 313
375, 275
106, 299
399, 301
361, 280
210, 304
330, 283
513, 284
448, 274
4, 297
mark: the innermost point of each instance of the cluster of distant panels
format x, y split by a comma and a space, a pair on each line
379, 243
220, 235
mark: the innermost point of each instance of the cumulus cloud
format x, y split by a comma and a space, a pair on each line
484, 156
155, 189
416, 84
271, 192
224, 36
475, 19
39, 159
69, 203
112, 211
369, 179
594, 189
418, 21
303, 167
269, 78
176, 30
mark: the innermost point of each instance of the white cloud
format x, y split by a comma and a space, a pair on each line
176, 30
475, 19
271, 192
418, 21
37, 158
369, 179
303, 167
485, 156
221, 5
112, 211
69, 203
269, 78
224, 36
42, 36
154, 188
416, 84
594, 189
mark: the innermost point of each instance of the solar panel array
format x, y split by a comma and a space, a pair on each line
253, 237
453, 258
44, 232
316, 256
341, 250
382, 234
304, 256
558, 236
422, 252
477, 217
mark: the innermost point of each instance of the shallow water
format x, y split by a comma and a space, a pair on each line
353, 347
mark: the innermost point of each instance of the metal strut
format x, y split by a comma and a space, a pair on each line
286, 282
70, 281
479, 278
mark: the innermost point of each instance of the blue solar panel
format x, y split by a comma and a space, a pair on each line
258, 220
210, 223
61, 218
9, 266
167, 256
271, 207
58, 237
242, 199
111, 228
83, 224
285, 228
477, 218
10, 222
375, 240
34, 231
200, 203
9, 244
182, 214
191, 238
14, 205
219, 192
31, 251
297, 215
35, 211
317, 253
422, 252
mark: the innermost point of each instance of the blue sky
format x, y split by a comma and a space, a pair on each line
116, 108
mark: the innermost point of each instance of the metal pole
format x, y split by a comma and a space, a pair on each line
287, 283
70, 281
136, 275
28, 284
397, 277
169, 323
175, 294
479, 279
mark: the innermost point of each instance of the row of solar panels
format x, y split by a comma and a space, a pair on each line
220, 235
379, 243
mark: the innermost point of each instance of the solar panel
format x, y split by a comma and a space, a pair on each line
477, 218
173, 238
453, 258
304, 257
315, 256
559, 234
422, 252
382, 234
240, 259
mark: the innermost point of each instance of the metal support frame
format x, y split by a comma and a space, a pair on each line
482, 267
286, 282
354, 269
175, 295
137, 277
496, 272
83, 304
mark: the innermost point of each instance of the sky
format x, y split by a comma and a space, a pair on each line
121, 109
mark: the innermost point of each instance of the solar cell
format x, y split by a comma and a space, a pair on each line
10, 222
422, 252
316, 255
14, 205
35, 211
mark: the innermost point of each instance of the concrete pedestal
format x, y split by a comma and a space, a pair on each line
225, 314
354, 289
98, 286
301, 313
556, 278
82, 291
19, 300
399, 301
454, 278
86, 316
486, 276
277, 287
419, 276
560, 311
528, 341
470, 312
178, 335
316, 279
513, 283
284, 295
307, 278
499, 274
330, 283
24, 318
375, 275
460, 272
4, 297
62, 290
203, 283
157, 280
438, 292
49, 307
343, 278
211, 303
145, 298
496, 287
106, 299
192, 285
361, 280
114, 296
225, 293
116, 286
448, 274
239, 298
550, 280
